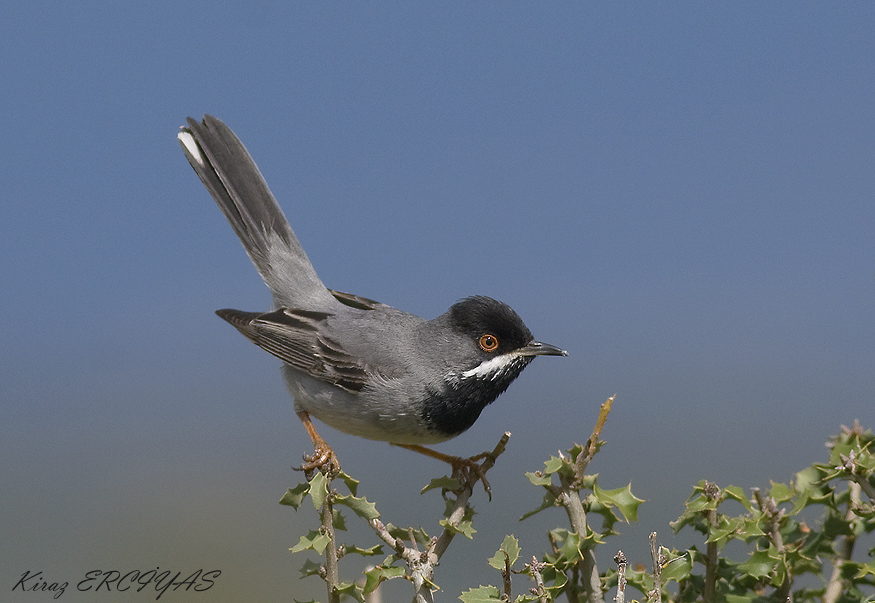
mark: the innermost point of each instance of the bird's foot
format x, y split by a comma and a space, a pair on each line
466, 470
323, 458
469, 470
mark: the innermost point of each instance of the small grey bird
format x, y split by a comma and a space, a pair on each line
360, 366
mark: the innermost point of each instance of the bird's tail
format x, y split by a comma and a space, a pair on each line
235, 182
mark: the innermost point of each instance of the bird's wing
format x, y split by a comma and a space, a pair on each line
356, 301
294, 337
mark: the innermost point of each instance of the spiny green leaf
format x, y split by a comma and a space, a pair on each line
864, 570
511, 546
574, 452
483, 594
350, 589
318, 489
350, 549
749, 528
548, 501
310, 568
497, 560
339, 520
621, 498
510, 550
699, 503
810, 489
360, 506
677, 568
444, 483
571, 550
538, 478
375, 576
313, 540
736, 493
420, 535
781, 492
554, 465
463, 527
295, 496
759, 565
554, 579
351, 483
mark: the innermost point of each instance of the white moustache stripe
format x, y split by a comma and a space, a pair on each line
492, 368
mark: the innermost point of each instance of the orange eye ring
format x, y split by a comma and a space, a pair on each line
488, 342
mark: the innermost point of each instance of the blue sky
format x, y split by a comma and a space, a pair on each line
680, 195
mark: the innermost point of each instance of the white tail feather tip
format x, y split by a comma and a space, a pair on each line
190, 145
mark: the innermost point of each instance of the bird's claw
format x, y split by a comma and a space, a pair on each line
323, 459
468, 470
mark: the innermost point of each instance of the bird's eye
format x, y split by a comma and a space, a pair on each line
488, 343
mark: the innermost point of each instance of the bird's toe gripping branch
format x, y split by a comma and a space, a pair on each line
468, 470
323, 457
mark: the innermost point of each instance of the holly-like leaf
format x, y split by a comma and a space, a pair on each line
555, 464
621, 498
339, 521
736, 493
420, 535
554, 580
677, 568
377, 575
295, 496
811, 490
539, 478
351, 483
781, 492
463, 527
318, 489
313, 540
759, 565
509, 550
310, 568
360, 506
497, 560
377, 549
548, 501
444, 483
483, 594
511, 546
571, 551
350, 589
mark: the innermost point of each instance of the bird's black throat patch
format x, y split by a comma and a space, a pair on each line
454, 408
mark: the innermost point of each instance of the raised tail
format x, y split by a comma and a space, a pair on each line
235, 182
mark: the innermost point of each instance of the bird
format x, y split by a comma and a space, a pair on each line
355, 364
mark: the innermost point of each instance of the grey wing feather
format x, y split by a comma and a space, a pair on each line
294, 337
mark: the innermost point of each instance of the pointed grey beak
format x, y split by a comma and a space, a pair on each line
536, 348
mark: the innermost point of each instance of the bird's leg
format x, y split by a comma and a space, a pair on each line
322, 455
462, 467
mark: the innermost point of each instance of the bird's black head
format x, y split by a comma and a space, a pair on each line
500, 346
492, 325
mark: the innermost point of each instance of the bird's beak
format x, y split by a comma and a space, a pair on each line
536, 348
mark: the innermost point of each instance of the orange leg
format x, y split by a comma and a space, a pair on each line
322, 453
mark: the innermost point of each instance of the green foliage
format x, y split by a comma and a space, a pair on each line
484, 594
782, 546
775, 542
507, 554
